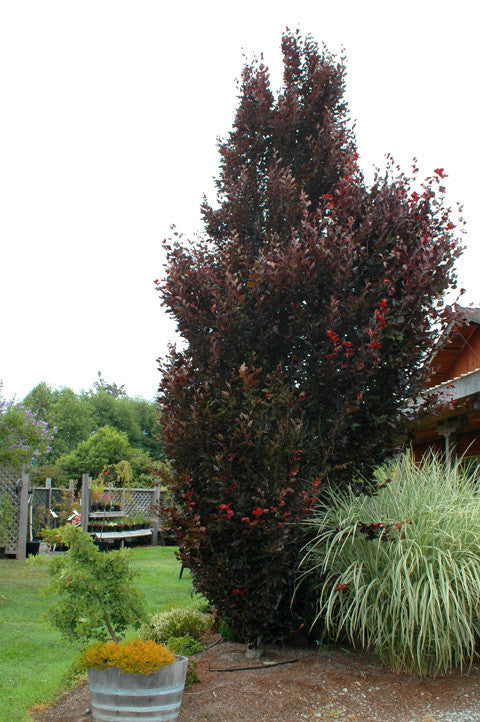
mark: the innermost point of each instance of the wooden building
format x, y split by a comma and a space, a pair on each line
455, 380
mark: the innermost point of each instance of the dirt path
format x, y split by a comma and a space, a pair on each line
309, 685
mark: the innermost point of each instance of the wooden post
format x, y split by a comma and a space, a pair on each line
71, 486
448, 429
156, 505
85, 503
48, 485
23, 518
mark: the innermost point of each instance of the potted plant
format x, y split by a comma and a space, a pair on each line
98, 601
97, 490
142, 521
66, 506
6, 520
54, 539
107, 501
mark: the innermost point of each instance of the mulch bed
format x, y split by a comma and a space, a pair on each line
303, 683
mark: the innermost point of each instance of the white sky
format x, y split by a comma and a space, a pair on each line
109, 116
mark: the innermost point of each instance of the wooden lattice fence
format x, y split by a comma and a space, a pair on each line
135, 501
14, 484
131, 501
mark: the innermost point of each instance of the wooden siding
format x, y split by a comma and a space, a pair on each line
468, 444
424, 448
460, 355
469, 357
457, 356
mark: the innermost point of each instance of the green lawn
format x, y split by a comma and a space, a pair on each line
33, 656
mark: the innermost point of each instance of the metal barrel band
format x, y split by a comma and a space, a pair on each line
152, 708
137, 692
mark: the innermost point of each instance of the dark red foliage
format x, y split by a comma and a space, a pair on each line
307, 312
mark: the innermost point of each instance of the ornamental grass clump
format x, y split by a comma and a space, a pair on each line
399, 572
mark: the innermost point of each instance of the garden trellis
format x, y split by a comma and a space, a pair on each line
14, 484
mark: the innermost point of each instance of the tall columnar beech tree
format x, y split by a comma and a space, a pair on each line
307, 310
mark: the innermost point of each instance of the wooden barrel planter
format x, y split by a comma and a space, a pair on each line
115, 695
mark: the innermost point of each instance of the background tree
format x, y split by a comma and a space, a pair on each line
69, 413
136, 417
306, 313
75, 417
100, 453
23, 437
40, 400
111, 388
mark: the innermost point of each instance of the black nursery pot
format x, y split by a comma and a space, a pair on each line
33, 547
103, 546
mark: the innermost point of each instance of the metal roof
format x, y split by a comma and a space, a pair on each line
459, 387
469, 314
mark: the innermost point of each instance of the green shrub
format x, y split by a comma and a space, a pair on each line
187, 646
52, 536
226, 632
6, 517
399, 572
176, 623
95, 596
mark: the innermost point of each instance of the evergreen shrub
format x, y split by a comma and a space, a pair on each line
94, 595
187, 646
139, 656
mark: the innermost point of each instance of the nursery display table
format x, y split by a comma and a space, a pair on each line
122, 535
107, 535
106, 514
